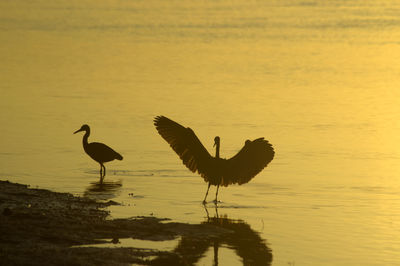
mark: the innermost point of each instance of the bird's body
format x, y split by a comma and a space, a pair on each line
99, 152
240, 169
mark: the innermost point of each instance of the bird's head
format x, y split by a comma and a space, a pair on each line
83, 128
216, 141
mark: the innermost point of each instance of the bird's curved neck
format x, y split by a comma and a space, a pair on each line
217, 150
85, 138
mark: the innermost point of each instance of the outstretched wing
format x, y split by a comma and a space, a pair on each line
248, 162
186, 144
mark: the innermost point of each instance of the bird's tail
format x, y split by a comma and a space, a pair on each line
119, 157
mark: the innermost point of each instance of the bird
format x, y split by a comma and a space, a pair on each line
239, 169
99, 152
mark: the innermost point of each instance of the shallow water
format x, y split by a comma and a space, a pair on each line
318, 79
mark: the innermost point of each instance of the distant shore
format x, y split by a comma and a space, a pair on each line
41, 227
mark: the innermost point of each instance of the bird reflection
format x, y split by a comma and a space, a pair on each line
99, 152
241, 238
240, 169
246, 242
103, 190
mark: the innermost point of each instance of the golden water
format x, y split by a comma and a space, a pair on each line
318, 79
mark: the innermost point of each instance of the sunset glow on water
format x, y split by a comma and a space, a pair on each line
319, 80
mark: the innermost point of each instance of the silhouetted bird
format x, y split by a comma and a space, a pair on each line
99, 152
240, 169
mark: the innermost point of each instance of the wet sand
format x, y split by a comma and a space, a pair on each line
40, 227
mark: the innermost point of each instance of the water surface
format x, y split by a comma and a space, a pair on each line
318, 79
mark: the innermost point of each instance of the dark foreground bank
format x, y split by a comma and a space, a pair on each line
40, 227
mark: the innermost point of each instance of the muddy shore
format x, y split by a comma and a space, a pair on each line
40, 227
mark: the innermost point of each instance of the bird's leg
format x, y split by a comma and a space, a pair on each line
216, 195
208, 216
204, 201
102, 173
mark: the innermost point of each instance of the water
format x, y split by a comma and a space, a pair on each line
318, 79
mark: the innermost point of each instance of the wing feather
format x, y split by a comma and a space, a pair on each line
240, 169
248, 162
101, 152
186, 144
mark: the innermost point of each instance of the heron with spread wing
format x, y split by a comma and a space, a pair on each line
240, 169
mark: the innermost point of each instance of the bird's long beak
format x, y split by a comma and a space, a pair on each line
78, 131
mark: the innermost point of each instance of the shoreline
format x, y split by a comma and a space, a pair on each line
41, 227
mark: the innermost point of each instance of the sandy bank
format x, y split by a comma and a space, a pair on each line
40, 227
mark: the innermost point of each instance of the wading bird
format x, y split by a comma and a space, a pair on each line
240, 169
99, 152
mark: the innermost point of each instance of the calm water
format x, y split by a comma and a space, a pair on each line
318, 79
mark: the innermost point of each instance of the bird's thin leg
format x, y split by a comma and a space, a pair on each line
208, 216
204, 201
102, 173
216, 195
